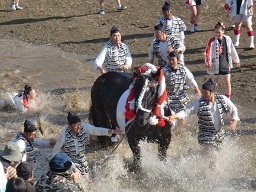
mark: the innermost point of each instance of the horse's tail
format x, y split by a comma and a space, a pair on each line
95, 103
97, 115
91, 115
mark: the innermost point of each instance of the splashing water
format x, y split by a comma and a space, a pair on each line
188, 172
186, 168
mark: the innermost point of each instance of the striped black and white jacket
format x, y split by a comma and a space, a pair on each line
112, 59
174, 27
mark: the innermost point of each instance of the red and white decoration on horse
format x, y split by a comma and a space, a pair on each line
158, 111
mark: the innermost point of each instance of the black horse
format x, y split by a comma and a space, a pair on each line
105, 94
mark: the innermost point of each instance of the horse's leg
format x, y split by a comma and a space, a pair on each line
163, 144
162, 148
99, 118
134, 145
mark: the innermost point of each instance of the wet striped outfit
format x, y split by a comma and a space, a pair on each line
175, 80
30, 155
74, 146
210, 117
27, 147
207, 132
70, 148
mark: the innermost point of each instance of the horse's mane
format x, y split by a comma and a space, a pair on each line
138, 84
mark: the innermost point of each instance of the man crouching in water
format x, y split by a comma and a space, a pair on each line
210, 109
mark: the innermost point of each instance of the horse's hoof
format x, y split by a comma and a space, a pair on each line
162, 159
134, 168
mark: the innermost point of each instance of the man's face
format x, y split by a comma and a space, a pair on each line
75, 128
207, 95
173, 62
167, 14
30, 136
160, 35
115, 38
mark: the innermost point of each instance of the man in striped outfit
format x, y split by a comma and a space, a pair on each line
27, 140
72, 141
176, 76
174, 25
210, 109
163, 45
114, 56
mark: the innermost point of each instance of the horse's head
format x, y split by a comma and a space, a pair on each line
145, 96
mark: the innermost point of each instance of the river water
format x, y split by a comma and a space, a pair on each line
63, 81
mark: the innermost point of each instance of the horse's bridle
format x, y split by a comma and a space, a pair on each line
143, 91
141, 96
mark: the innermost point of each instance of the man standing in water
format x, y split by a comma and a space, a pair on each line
114, 56
176, 75
74, 137
210, 109
27, 140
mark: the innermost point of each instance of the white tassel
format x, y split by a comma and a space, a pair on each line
153, 120
152, 67
115, 138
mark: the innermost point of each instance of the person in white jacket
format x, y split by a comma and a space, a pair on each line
241, 11
210, 109
23, 101
74, 137
220, 54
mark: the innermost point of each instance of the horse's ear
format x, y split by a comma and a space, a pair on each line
136, 74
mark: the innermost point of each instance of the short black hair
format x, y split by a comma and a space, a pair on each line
113, 30
174, 53
166, 7
16, 185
